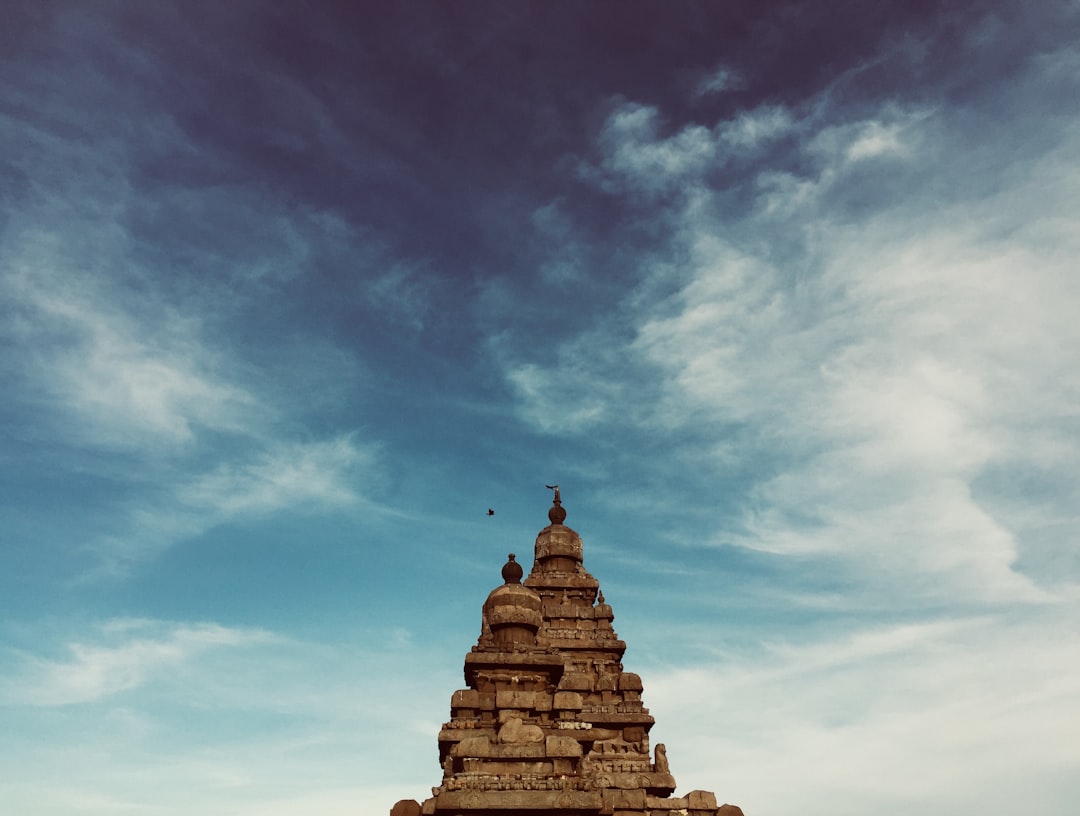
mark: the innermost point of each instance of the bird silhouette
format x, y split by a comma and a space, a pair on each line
491, 512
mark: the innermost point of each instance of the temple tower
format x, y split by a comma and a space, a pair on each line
550, 722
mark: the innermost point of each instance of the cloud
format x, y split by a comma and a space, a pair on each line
721, 80
114, 364
886, 425
293, 474
169, 716
879, 339
638, 156
755, 128
120, 383
296, 477
97, 670
144, 301
890, 714
551, 405
635, 151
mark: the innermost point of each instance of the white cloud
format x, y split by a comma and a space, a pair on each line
278, 477
892, 132
288, 475
110, 365
721, 80
144, 371
956, 716
637, 157
875, 139
882, 358
552, 404
123, 380
97, 670
171, 717
754, 128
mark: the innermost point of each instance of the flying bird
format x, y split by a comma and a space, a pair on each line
491, 512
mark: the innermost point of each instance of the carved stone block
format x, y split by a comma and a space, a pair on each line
567, 701
556, 746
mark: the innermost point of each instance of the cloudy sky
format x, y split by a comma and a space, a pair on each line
784, 295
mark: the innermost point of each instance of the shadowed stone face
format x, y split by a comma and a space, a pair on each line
550, 723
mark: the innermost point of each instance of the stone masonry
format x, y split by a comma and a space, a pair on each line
550, 722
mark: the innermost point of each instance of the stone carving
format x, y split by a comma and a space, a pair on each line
661, 758
550, 721
515, 731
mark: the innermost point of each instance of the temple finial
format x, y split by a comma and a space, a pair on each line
512, 571
556, 514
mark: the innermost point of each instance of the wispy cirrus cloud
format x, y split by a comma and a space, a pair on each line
296, 473
130, 254
641, 154
128, 654
213, 714
118, 378
298, 477
840, 714
114, 363
904, 338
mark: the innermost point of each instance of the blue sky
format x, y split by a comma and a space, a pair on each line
784, 296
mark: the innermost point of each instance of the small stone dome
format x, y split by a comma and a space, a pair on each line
558, 548
512, 571
512, 611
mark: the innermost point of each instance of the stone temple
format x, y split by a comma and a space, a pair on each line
550, 723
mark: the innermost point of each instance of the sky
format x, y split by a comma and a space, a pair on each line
785, 297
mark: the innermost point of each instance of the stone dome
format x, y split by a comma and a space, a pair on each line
513, 612
558, 548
